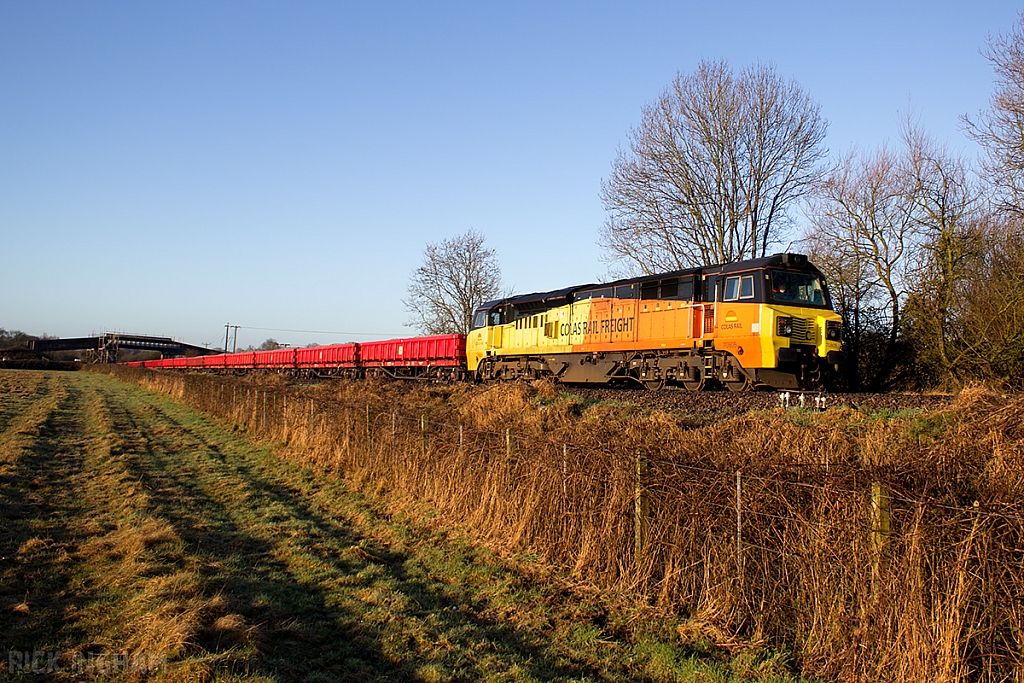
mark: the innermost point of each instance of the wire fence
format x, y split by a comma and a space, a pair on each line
840, 562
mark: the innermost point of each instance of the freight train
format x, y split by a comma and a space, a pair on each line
764, 322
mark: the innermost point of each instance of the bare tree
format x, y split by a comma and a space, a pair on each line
456, 276
712, 170
862, 236
950, 225
1000, 130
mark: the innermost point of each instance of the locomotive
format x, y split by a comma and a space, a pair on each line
761, 322
765, 322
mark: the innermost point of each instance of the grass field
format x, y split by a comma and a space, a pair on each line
142, 540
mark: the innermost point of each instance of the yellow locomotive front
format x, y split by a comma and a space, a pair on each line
762, 322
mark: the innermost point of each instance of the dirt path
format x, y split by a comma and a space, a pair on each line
142, 540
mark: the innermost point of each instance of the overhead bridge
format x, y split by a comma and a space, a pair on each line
106, 346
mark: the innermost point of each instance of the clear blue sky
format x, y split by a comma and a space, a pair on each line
168, 167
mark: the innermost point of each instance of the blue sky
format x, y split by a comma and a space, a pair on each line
169, 167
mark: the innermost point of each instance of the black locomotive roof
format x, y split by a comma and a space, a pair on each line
551, 298
794, 261
558, 296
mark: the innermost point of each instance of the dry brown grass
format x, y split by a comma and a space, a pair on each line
940, 599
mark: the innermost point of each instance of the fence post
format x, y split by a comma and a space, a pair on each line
641, 508
880, 528
348, 428
565, 475
423, 435
510, 449
739, 527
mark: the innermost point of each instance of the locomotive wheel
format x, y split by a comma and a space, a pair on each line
741, 384
694, 384
654, 384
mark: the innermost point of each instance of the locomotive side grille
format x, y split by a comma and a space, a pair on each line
803, 331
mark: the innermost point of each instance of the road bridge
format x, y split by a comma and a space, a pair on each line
106, 346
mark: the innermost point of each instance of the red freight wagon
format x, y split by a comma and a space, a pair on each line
194, 362
165, 363
278, 358
333, 356
283, 358
216, 361
446, 350
238, 360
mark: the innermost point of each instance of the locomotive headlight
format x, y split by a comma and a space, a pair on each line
833, 330
783, 326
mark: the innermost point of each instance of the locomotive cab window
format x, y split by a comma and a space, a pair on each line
798, 289
480, 319
739, 287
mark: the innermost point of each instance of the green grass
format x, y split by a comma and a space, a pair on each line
133, 525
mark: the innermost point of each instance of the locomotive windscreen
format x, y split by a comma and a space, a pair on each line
798, 289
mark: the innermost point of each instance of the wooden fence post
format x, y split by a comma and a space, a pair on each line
348, 428
510, 449
880, 529
423, 435
565, 476
641, 508
739, 527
